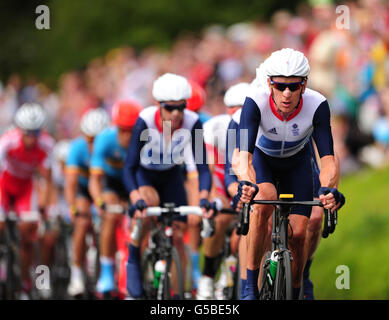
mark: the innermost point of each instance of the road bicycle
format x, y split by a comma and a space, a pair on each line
10, 272
60, 270
276, 282
10, 265
229, 279
162, 272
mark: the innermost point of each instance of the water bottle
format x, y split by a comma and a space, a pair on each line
136, 231
208, 228
273, 264
231, 263
159, 269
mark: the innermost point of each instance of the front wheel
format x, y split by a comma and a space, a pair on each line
266, 289
173, 283
283, 281
147, 267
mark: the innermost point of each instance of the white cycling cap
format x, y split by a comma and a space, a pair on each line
171, 87
94, 121
236, 94
61, 150
30, 116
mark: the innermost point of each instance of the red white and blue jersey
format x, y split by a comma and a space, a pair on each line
232, 142
283, 138
215, 135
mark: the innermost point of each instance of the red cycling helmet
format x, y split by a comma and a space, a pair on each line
198, 97
125, 113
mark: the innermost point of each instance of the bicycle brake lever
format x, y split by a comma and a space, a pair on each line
326, 223
245, 218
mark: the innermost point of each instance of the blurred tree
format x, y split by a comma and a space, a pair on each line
81, 30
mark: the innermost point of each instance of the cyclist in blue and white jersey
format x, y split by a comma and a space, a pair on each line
314, 227
215, 134
163, 136
279, 127
231, 180
76, 190
106, 184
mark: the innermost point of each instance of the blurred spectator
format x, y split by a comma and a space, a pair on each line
9, 101
349, 65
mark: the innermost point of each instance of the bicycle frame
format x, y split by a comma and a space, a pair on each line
280, 236
280, 227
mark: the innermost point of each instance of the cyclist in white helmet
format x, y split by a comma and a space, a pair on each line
76, 190
215, 134
151, 182
24, 150
58, 204
57, 208
280, 119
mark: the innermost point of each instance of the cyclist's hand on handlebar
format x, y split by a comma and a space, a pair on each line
247, 191
100, 206
331, 198
138, 210
342, 201
208, 208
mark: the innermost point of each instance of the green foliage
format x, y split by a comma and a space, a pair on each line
359, 242
83, 29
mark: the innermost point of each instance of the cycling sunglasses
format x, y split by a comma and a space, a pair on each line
170, 108
34, 133
281, 86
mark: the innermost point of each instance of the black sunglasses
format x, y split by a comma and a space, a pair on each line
170, 107
281, 86
34, 133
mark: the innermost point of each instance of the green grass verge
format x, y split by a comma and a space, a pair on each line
360, 242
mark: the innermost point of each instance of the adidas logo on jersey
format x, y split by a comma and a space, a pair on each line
273, 130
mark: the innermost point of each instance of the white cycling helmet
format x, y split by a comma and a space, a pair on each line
171, 87
236, 94
287, 63
94, 121
61, 150
30, 116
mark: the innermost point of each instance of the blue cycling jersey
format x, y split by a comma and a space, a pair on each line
78, 160
108, 155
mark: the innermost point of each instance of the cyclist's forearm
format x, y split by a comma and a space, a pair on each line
204, 194
70, 190
329, 172
233, 189
245, 169
337, 163
47, 187
134, 196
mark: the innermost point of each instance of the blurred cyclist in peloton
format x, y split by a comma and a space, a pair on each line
215, 134
106, 185
196, 101
76, 190
152, 171
24, 150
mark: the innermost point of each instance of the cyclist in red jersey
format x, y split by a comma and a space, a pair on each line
23, 150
